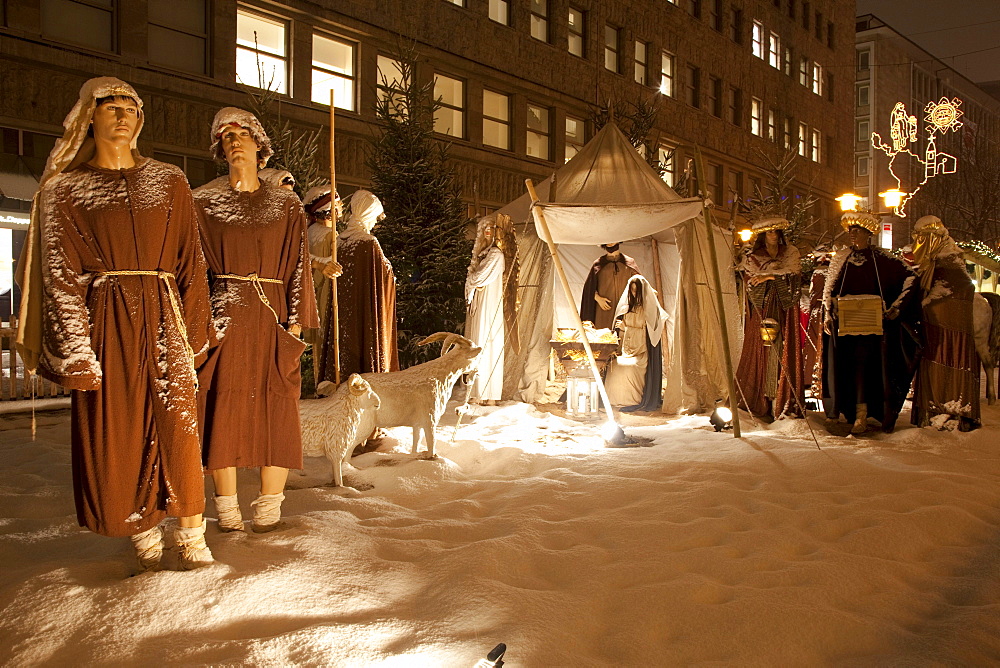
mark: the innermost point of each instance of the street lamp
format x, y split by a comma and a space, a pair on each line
745, 235
892, 198
849, 201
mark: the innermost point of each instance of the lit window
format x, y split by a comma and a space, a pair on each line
496, 120
577, 28
803, 139
89, 24
757, 39
500, 11
817, 139
667, 170
817, 78
772, 125
611, 48
261, 52
640, 63
449, 119
390, 79
773, 51
756, 110
539, 132
574, 136
178, 35
786, 61
667, 73
460, 3
539, 20
786, 133
333, 70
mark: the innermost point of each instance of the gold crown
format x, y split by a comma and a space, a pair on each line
868, 221
763, 225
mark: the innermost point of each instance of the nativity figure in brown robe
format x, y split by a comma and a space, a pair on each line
366, 293
115, 308
604, 286
254, 236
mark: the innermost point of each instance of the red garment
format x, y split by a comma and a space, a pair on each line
250, 384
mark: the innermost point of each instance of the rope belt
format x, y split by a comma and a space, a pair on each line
256, 281
175, 302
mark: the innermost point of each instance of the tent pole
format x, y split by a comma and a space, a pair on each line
335, 306
656, 271
723, 325
540, 219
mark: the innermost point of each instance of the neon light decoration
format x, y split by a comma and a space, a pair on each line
941, 117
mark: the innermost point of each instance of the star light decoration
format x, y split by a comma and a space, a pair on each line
941, 117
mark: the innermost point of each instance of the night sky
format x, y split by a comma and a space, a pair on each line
959, 26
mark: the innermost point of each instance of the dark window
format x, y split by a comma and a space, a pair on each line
692, 84
736, 25
715, 14
715, 96
735, 104
89, 23
178, 35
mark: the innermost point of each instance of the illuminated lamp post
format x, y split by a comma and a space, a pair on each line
849, 201
892, 198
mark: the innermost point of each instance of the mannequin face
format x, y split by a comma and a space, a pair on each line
115, 120
771, 237
239, 146
859, 237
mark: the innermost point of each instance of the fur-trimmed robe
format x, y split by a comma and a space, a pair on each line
881, 367
250, 384
116, 342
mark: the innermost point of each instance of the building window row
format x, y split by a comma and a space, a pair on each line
767, 46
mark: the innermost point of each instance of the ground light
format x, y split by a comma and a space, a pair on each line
613, 434
722, 417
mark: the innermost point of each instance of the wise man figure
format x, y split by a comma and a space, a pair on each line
324, 211
255, 242
366, 294
867, 374
115, 308
605, 284
948, 378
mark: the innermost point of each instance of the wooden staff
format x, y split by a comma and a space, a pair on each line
578, 321
333, 281
734, 404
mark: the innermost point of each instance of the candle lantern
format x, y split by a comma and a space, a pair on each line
769, 330
582, 396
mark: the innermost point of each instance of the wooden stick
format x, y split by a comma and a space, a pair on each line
540, 220
656, 271
333, 281
723, 325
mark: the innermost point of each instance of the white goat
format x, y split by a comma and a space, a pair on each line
416, 397
334, 425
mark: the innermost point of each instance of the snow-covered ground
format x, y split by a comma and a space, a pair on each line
698, 549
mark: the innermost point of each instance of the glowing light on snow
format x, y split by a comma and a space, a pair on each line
941, 117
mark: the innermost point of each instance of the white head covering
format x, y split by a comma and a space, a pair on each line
70, 151
365, 210
275, 177
235, 116
317, 199
655, 316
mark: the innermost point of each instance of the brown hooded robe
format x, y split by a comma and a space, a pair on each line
117, 342
250, 383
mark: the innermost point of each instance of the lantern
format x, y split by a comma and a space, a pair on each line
769, 330
582, 396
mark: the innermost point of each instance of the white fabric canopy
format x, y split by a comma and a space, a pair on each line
607, 193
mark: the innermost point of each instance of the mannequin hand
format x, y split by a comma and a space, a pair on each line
760, 278
295, 330
892, 313
603, 302
332, 269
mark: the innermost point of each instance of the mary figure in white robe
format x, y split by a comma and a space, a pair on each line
635, 377
484, 322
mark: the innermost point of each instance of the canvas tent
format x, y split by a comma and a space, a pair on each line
608, 193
